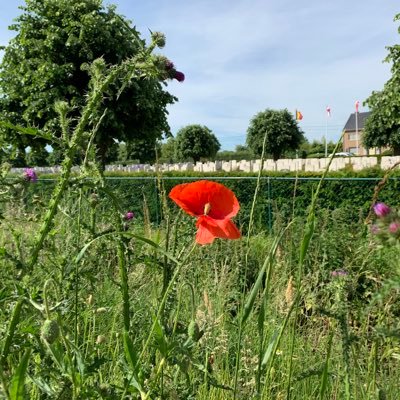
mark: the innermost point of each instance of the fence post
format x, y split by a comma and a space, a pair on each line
269, 204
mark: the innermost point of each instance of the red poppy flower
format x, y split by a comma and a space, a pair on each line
213, 205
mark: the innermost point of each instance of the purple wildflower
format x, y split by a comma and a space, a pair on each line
179, 76
381, 209
339, 272
375, 229
169, 65
394, 227
129, 215
30, 175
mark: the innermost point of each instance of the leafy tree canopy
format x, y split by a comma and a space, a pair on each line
195, 142
280, 130
168, 151
47, 61
382, 128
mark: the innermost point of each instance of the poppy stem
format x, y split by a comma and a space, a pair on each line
164, 298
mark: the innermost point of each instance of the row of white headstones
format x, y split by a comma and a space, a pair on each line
308, 165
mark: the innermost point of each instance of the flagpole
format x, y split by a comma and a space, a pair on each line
328, 114
357, 139
326, 134
357, 144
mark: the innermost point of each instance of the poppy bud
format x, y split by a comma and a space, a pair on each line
89, 300
50, 331
194, 331
100, 339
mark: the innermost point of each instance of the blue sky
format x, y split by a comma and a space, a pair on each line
241, 57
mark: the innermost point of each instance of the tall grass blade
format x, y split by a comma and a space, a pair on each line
260, 278
324, 376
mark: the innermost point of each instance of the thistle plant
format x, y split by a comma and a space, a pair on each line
386, 227
144, 65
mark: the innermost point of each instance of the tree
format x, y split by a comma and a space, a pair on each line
196, 141
382, 127
168, 151
315, 149
280, 130
47, 61
37, 157
241, 152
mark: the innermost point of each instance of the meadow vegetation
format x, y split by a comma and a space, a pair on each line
117, 306
100, 300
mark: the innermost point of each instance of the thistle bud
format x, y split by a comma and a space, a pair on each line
94, 200
50, 331
158, 38
381, 210
129, 215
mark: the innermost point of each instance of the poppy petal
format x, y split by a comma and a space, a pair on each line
209, 229
224, 203
192, 198
230, 229
204, 235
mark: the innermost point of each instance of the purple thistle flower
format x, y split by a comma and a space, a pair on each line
339, 272
169, 65
179, 76
30, 175
129, 215
394, 227
375, 229
381, 210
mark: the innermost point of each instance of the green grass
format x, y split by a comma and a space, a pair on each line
304, 333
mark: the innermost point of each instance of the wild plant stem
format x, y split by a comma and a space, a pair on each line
76, 288
158, 315
251, 220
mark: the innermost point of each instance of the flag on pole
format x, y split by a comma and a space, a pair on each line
357, 104
328, 111
299, 115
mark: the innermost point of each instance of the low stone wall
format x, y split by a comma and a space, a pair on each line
283, 165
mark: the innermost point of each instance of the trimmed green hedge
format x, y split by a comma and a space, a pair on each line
280, 194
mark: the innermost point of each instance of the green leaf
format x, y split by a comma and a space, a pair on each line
30, 132
161, 341
269, 349
130, 353
128, 235
324, 376
17, 387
